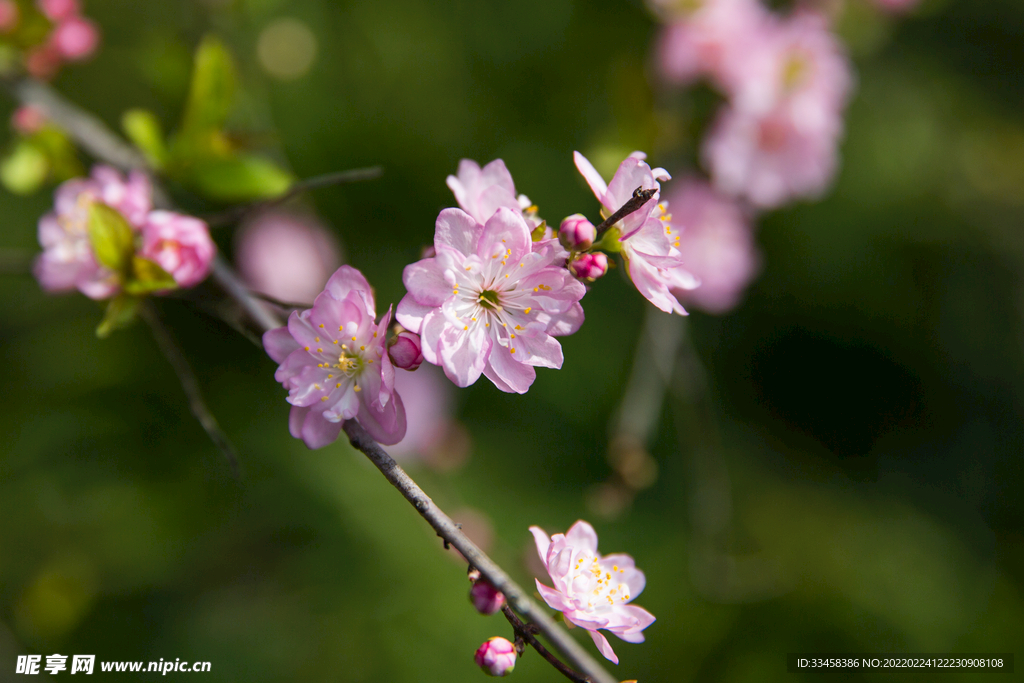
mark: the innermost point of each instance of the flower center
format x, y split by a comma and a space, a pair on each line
489, 300
596, 585
350, 363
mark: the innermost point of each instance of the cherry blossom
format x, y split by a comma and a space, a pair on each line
591, 591
179, 244
491, 301
646, 237
334, 363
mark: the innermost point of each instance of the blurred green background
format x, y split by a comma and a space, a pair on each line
838, 462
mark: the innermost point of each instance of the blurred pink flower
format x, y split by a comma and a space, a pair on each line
180, 244
481, 192
75, 38
9, 15
717, 245
27, 119
67, 261
335, 366
778, 138
647, 238
486, 598
487, 303
42, 61
497, 657
287, 256
591, 591
710, 38
433, 435
58, 10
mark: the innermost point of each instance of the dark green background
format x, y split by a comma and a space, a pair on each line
867, 394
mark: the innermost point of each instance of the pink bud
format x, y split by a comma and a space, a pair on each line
405, 351
590, 266
58, 10
497, 657
75, 38
42, 62
577, 233
28, 119
180, 244
8, 15
486, 598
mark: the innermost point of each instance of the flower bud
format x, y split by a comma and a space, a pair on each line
75, 38
486, 598
590, 266
58, 10
8, 15
577, 233
497, 657
405, 351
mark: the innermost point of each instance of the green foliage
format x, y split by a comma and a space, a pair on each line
112, 238
240, 178
143, 128
25, 169
121, 312
148, 277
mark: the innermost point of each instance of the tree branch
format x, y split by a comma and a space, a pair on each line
106, 146
526, 631
639, 198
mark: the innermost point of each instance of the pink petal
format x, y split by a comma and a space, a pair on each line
543, 541
553, 598
513, 373
296, 418
562, 324
464, 354
505, 231
410, 314
318, 432
329, 314
604, 647
457, 230
425, 282
279, 343
593, 178
582, 535
346, 280
386, 426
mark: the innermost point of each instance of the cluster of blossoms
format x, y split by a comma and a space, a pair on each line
176, 244
51, 32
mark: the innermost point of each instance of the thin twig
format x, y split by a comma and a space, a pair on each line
237, 213
189, 383
639, 198
236, 289
526, 631
278, 302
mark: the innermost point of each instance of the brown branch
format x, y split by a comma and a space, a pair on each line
639, 198
526, 632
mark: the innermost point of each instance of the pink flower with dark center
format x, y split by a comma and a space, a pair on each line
75, 38
591, 591
67, 261
717, 246
778, 138
179, 244
334, 363
646, 236
288, 256
488, 303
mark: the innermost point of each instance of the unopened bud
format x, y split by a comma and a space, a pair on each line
486, 598
590, 266
405, 351
497, 657
577, 233
75, 38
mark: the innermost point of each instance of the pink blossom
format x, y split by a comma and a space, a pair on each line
67, 261
42, 62
488, 303
647, 238
710, 38
179, 244
285, 255
75, 38
486, 598
481, 192
9, 15
406, 351
590, 266
433, 435
58, 10
778, 138
591, 591
335, 366
497, 657
27, 120
717, 246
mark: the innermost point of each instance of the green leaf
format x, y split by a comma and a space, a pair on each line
147, 277
143, 128
25, 169
240, 179
121, 312
112, 239
212, 92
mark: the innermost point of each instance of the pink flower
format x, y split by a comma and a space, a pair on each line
42, 62
481, 192
58, 10
9, 15
647, 239
287, 256
711, 39
67, 261
335, 366
497, 657
75, 38
179, 244
406, 351
488, 303
591, 591
27, 119
777, 141
717, 246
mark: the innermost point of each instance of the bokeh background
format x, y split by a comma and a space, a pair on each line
834, 466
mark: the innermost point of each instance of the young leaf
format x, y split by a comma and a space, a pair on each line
240, 179
143, 129
147, 277
24, 169
212, 91
121, 312
111, 237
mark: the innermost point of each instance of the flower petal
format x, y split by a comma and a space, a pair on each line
456, 230
604, 647
554, 599
426, 283
410, 314
386, 426
347, 279
582, 535
543, 541
515, 374
317, 432
593, 178
505, 235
